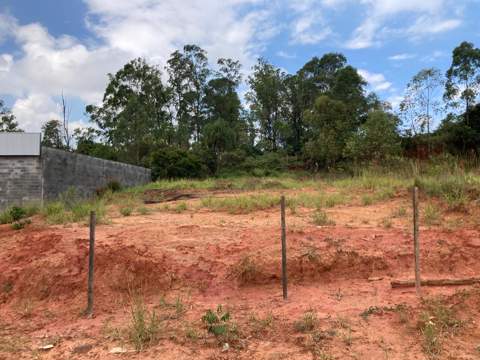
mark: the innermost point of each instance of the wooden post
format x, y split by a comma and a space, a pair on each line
284, 248
91, 255
416, 244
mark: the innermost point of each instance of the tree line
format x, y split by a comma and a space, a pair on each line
188, 119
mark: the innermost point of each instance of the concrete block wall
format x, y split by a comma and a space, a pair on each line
26, 179
20, 180
62, 170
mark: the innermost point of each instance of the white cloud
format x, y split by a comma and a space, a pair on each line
430, 17
285, 55
403, 56
34, 110
376, 81
44, 65
309, 26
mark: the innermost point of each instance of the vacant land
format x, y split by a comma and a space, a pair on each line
191, 270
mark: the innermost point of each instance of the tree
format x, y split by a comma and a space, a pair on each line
221, 97
88, 144
330, 126
7, 120
420, 102
376, 139
265, 98
318, 76
219, 136
52, 134
188, 73
348, 86
463, 77
134, 113
66, 123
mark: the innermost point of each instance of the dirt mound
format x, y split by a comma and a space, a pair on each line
54, 267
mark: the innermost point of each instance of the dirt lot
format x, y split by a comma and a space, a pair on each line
340, 305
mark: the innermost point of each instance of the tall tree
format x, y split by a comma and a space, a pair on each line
188, 74
318, 76
349, 87
134, 113
463, 77
420, 102
265, 99
52, 134
221, 97
7, 120
330, 126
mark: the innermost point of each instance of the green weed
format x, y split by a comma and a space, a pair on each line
320, 218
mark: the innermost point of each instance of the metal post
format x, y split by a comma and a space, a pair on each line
284, 248
416, 244
91, 255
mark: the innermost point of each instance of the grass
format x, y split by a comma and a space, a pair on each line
126, 210
144, 325
436, 322
320, 218
307, 322
260, 325
58, 212
431, 214
241, 204
245, 271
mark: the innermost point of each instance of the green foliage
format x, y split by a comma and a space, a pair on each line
219, 323
330, 125
463, 77
171, 163
7, 120
376, 139
133, 115
18, 225
126, 210
52, 134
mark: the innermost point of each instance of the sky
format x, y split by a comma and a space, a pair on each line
50, 47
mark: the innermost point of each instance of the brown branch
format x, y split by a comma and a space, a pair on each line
435, 282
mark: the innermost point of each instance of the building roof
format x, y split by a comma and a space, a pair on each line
19, 144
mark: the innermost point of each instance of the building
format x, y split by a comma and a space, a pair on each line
30, 172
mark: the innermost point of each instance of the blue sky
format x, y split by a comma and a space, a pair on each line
51, 46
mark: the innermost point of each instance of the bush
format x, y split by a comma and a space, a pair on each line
12, 214
170, 163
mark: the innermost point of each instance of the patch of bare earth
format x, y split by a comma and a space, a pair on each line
200, 259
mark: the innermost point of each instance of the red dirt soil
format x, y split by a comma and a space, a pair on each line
338, 271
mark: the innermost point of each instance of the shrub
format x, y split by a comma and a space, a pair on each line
18, 225
126, 210
170, 163
245, 271
219, 324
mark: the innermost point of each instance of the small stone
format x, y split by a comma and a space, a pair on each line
118, 350
375, 278
46, 347
82, 349
225, 347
